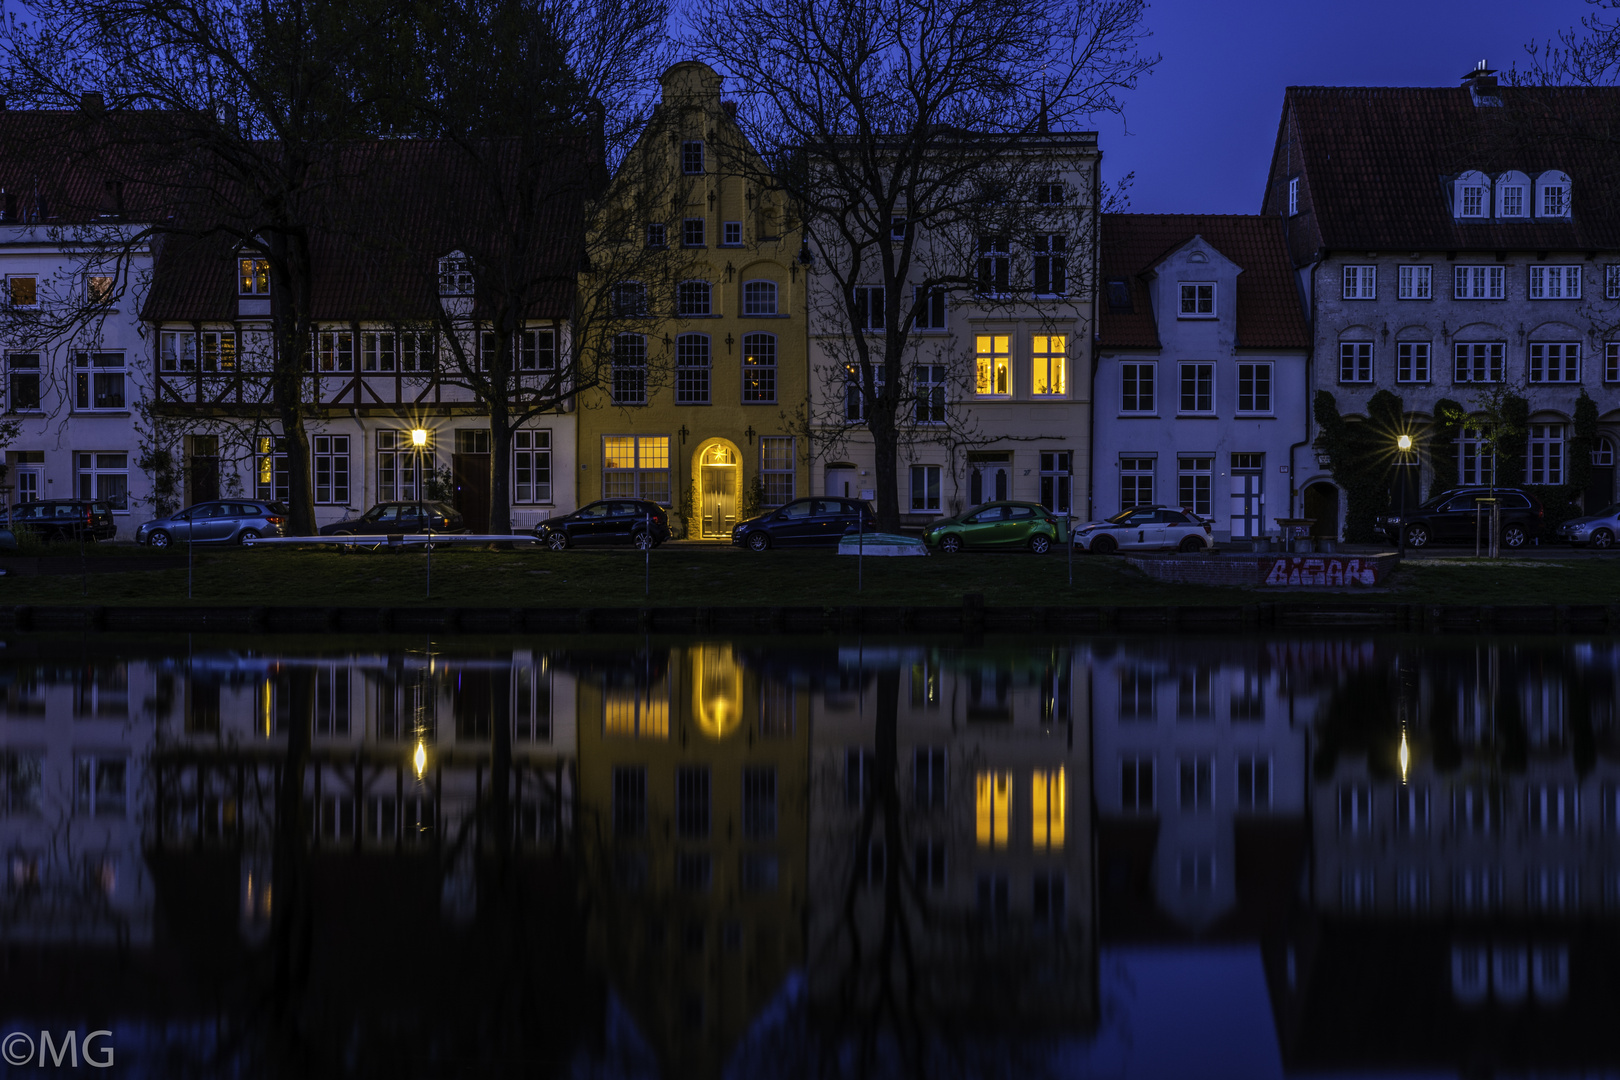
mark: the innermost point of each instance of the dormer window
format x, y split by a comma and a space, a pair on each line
1119, 295
1552, 195
1197, 300
1471, 195
455, 275
1512, 195
253, 276
1293, 196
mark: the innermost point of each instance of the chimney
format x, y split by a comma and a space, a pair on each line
92, 102
731, 109
1481, 83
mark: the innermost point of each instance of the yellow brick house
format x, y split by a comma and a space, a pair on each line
709, 371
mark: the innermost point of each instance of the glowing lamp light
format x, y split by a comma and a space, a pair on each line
1404, 443
1405, 757
419, 759
419, 437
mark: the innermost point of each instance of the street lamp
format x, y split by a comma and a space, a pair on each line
1403, 444
419, 437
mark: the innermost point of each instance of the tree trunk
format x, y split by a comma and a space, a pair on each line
886, 464
291, 261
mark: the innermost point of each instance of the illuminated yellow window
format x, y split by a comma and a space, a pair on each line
636, 712
1051, 364
254, 277
992, 799
993, 377
1049, 803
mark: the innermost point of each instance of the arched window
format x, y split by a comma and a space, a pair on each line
759, 298
455, 275
692, 298
759, 368
1552, 195
692, 369
1471, 195
630, 369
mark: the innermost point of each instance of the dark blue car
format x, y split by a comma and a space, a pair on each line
816, 522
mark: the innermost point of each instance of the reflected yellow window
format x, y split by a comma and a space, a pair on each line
992, 800
1049, 802
1050, 373
993, 375
636, 712
716, 690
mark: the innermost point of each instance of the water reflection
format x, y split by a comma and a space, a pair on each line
604, 857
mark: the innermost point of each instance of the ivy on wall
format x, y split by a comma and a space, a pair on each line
1363, 457
1449, 420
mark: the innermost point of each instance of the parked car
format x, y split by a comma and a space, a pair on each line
1145, 528
1594, 530
1457, 515
65, 519
400, 518
222, 521
997, 525
816, 522
607, 521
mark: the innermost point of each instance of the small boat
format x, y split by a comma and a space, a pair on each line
875, 544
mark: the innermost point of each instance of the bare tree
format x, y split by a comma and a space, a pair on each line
912, 135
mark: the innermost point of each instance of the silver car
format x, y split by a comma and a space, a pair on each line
222, 521
1595, 530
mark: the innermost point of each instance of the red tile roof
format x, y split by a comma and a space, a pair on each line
69, 167
1269, 313
1377, 163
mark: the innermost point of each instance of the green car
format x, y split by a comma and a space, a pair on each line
998, 525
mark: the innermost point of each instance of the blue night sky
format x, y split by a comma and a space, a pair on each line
1203, 124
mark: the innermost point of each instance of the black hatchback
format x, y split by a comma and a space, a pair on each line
1458, 515
65, 519
607, 521
816, 522
391, 518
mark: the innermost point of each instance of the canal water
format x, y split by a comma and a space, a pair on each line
1121, 856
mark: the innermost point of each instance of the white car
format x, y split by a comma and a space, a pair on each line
1145, 528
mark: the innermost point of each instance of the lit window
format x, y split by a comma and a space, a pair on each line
636, 467
253, 277
759, 368
99, 289
1355, 361
1545, 462
759, 298
1136, 388
1555, 282
925, 489
1416, 282
992, 363
24, 292
1197, 388
272, 481
1254, 388
1412, 362
1361, 282
692, 298
1478, 361
218, 350
992, 802
1555, 362
1048, 808
1479, 283
1197, 300
1050, 364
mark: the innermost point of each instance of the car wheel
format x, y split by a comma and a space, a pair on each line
1104, 545
1040, 545
1190, 545
557, 541
1603, 538
643, 541
758, 541
1514, 536
159, 539
248, 536
951, 544
1417, 536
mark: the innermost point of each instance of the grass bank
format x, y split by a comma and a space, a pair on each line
695, 577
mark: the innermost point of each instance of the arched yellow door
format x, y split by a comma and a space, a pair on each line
719, 480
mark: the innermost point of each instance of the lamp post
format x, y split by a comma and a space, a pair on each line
1403, 446
418, 443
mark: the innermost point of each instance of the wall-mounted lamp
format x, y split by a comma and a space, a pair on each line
730, 341
711, 198
1386, 331
730, 270
683, 433
750, 433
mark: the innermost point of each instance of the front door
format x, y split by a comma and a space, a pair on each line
1600, 483
1248, 497
841, 482
471, 477
718, 481
30, 479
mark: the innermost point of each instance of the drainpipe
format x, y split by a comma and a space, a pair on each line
1096, 340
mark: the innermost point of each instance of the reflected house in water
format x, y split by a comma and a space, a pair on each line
1466, 877
1201, 780
693, 772
951, 858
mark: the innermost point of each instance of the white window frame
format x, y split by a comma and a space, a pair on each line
1555, 362
1195, 485
23, 365
1545, 452
1509, 191
1477, 282
1293, 196
1138, 482
777, 479
995, 265
1131, 375
1414, 362
925, 489
993, 365
90, 369
930, 381
1560, 282
1415, 281
759, 369
1553, 200
648, 474
253, 275
334, 352
531, 466
329, 462
1355, 362
1466, 357
933, 311
1049, 365
455, 275
1476, 461
1360, 282
1260, 403
1051, 263
629, 369
694, 369
1198, 300
1473, 201
91, 471
397, 461
657, 234
1611, 361
870, 311
759, 297
1202, 397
